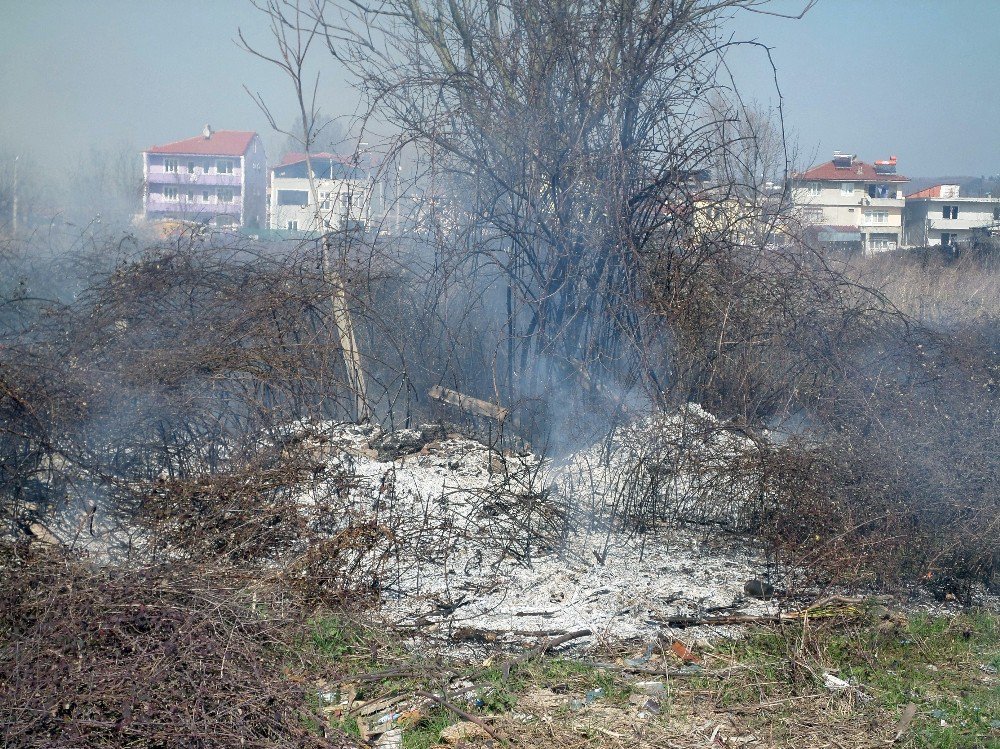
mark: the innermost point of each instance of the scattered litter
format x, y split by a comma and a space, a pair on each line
650, 687
462, 732
835, 683
392, 739
905, 718
683, 652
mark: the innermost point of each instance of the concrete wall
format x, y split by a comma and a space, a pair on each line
332, 193
925, 222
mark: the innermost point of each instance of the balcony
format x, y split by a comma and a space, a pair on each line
957, 224
195, 179
892, 202
194, 210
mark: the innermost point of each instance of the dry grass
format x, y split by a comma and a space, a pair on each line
934, 289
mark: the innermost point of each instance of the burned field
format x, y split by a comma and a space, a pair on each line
580, 443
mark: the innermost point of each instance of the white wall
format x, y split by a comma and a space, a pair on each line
332, 193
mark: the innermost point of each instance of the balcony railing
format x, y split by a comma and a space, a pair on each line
195, 179
193, 209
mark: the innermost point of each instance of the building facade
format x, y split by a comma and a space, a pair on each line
218, 178
852, 204
939, 215
344, 191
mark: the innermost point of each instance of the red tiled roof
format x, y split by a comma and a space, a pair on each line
221, 143
858, 171
930, 192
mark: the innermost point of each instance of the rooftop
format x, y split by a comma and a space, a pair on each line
217, 143
856, 171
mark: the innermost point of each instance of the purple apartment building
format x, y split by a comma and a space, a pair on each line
217, 178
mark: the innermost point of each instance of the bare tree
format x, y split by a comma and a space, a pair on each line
294, 28
565, 140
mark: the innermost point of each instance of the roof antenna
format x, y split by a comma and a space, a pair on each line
207, 132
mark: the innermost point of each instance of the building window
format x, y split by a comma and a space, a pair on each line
948, 240
292, 226
846, 188
170, 193
190, 167
996, 213
882, 242
190, 196
205, 196
949, 211
878, 191
224, 166
876, 217
814, 189
813, 215
225, 195
293, 197
170, 166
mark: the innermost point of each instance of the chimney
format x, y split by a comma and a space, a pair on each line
207, 132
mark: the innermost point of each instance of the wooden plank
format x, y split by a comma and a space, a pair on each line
468, 403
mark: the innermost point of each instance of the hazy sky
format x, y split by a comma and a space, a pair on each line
915, 78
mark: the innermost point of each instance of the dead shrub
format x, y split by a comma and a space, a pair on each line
146, 657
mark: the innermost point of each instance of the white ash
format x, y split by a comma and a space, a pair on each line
461, 565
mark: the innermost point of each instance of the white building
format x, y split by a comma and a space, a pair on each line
940, 216
852, 204
344, 191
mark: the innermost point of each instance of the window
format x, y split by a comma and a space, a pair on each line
846, 188
814, 189
996, 213
949, 211
190, 196
293, 197
292, 226
813, 215
224, 166
205, 196
225, 195
170, 193
878, 191
170, 166
190, 167
882, 242
948, 240
876, 217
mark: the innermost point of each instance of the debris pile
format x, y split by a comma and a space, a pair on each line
501, 546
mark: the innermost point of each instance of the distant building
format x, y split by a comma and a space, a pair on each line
218, 177
852, 204
940, 216
343, 188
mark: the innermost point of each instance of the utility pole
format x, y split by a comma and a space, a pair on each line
395, 231
338, 302
13, 210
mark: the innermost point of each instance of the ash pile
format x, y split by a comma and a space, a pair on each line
494, 546
462, 541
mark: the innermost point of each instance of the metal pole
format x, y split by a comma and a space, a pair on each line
13, 211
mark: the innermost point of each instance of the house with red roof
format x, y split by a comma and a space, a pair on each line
343, 189
939, 215
852, 204
217, 178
